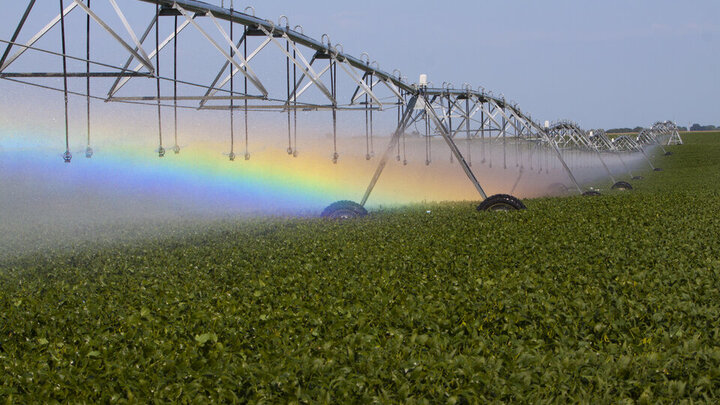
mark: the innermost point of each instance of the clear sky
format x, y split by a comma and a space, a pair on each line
603, 63
609, 63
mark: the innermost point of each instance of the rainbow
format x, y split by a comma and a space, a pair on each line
270, 182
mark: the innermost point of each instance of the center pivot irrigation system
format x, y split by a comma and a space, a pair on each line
303, 66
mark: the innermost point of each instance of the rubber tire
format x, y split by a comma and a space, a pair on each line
344, 210
622, 185
638, 177
591, 193
501, 202
658, 169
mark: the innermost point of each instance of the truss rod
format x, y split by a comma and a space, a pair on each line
39, 35
187, 98
17, 32
75, 93
110, 31
129, 29
120, 83
305, 66
75, 58
296, 37
214, 87
144, 36
247, 71
76, 74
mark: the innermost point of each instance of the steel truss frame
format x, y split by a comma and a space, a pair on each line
452, 114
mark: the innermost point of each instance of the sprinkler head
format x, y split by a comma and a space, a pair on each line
88, 152
176, 149
367, 156
289, 151
427, 163
247, 156
161, 152
231, 156
335, 158
397, 157
295, 153
405, 162
67, 156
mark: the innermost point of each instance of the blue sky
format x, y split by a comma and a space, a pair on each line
604, 64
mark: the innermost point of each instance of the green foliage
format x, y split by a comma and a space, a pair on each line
577, 299
624, 130
698, 127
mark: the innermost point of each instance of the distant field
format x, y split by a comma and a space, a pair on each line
573, 300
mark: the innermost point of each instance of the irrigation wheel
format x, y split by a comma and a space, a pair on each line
622, 185
344, 210
638, 177
668, 153
501, 202
657, 169
591, 193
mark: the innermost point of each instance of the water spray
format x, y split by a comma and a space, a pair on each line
462, 117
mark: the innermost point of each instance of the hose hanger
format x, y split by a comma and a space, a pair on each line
400, 103
88, 149
245, 82
231, 155
67, 156
372, 129
161, 150
446, 86
287, 82
176, 148
368, 119
428, 151
299, 29
467, 128
333, 92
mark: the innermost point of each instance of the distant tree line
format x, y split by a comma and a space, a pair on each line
623, 130
698, 127
693, 127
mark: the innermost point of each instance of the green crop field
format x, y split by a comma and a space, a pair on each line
576, 299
